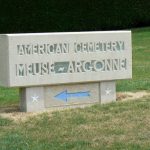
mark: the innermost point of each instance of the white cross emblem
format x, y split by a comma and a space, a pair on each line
108, 91
35, 98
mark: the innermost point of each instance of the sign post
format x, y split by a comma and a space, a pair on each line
65, 69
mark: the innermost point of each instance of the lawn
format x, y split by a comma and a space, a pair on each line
141, 62
121, 125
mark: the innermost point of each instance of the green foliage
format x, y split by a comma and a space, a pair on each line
65, 15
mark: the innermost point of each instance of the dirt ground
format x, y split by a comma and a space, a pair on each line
14, 113
124, 96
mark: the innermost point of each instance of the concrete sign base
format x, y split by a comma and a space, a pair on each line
39, 98
32, 99
69, 69
107, 92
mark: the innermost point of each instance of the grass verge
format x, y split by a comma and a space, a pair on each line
121, 125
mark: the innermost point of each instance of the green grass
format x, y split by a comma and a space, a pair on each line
9, 96
122, 125
141, 62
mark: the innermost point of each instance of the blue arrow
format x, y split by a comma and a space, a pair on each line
65, 95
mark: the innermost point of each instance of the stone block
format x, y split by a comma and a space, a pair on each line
107, 92
32, 99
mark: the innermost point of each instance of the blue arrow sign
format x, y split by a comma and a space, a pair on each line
65, 95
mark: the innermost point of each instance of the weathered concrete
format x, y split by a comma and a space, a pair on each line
32, 99
64, 95
65, 69
64, 58
39, 98
107, 92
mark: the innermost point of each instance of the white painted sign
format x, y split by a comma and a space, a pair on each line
58, 58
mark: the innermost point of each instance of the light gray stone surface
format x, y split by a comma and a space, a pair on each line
32, 99
64, 95
64, 58
4, 61
107, 92
65, 69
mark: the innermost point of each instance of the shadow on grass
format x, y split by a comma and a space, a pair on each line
10, 109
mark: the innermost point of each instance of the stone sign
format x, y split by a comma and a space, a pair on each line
58, 61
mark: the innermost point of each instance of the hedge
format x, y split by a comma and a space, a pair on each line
72, 15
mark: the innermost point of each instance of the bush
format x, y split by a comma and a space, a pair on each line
77, 15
